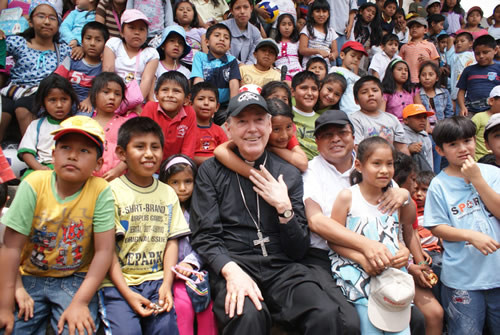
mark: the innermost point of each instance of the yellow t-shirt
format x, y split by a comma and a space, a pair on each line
146, 218
60, 231
251, 75
480, 119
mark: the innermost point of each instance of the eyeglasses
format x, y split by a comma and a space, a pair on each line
328, 135
43, 17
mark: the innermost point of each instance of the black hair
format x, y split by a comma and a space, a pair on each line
400, 11
54, 81
29, 33
363, 80
489, 159
443, 36
365, 150
277, 107
211, 29
332, 78
453, 128
316, 59
139, 125
425, 177
486, 40
100, 82
269, 88
435, 18
161, 51
404, 165
195, 23
176, 77
388, 2
300, 77
204, 86
317, 5
457, 8
434, 67
94, 25
466, 34
4, 193
294, 37
232, 2
389, 37
165, 173
389, 83
489, 131
376, 32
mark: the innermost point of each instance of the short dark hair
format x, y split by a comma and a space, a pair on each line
195, 23
389, 37
269, 88
388, 2
4, 193
232, 2
204, 86
435, 18
176, 77
100, 81
466, 34
425, 177
363, 80
94, 25
54, 81
488, 159
404, 165
211, 29
277, 107
486, 40
316, 59
452, 129
138, 126
300, 77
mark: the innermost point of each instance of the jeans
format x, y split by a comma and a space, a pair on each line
468, 311
51, 296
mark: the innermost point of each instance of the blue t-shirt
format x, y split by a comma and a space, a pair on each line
451, 201
478, 81
80, 74
218, 71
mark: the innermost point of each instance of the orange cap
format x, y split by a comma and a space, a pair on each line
415, 109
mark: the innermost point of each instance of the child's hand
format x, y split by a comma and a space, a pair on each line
73, 43
427, 257
331, 56
262, 13
401, 258
483, 242
369, 268
112, 174
77, 53
419, 274
25, 303
184, 272
470, 170
464, 111
141, 306
166, 301
415, 147
6, 320
85, 106
78, 317
323, 53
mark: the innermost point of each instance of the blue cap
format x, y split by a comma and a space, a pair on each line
176, 30
35, 3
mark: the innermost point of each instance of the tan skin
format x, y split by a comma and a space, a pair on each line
305, 50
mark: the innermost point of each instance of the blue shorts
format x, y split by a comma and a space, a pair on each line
51, 296
119, 318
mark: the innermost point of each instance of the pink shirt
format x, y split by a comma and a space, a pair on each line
397, 101
417, 53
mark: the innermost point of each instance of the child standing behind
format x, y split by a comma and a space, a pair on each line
81, 72
262, 71
159, 11
148, 221
492, 140
205, 101
331, 91
179, 172
481, 120
370, 120
454, 15
288, 42
418, 50
433, 97
317, 37
172, 113
106, 95
473, 25
60, 229
108, 12
479, 79
378, 65
462, 208
420, 147
71, 27
399, 91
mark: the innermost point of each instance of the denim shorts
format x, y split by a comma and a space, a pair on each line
51, 296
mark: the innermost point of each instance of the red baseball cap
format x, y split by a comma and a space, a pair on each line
354, 46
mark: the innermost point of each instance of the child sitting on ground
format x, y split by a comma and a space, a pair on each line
262, 71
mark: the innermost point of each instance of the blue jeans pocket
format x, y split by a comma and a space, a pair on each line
29, 282
72, 283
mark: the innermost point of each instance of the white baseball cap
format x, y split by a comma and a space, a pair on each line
495, 92
389, 302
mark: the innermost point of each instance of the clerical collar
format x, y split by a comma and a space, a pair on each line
261, 160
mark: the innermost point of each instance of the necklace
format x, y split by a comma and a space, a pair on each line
261, 239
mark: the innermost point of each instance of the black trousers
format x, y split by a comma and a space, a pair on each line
293, 298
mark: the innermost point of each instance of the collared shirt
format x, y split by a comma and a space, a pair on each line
217, 71
180, 132
322, 183
243, 43
251, 75
414, 53
443, 107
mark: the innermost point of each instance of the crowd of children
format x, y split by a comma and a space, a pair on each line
110, 101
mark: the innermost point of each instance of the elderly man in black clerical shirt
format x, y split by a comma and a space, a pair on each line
251, 232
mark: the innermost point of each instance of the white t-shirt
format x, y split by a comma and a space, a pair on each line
379, 63
383, 124
319, 42
162, 69
495, 32
347, 102
285, 7
38, 141
339, 14
124, 65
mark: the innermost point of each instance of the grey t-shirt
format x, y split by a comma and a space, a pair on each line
384, 125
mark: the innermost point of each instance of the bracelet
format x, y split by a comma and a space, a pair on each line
423, 262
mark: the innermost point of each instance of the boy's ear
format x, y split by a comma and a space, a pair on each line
121, 153
98, 166
439, 150
342, 55
218, 106
405, 121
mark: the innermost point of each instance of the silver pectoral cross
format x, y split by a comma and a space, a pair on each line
262, 240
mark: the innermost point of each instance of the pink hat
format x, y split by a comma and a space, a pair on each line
131, 15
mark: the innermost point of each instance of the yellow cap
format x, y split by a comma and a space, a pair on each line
415, 109
82, 125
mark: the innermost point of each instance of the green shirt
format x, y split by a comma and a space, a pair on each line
480, 120
305, 131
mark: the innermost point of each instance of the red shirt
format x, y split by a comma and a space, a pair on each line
180, 132
209, 137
